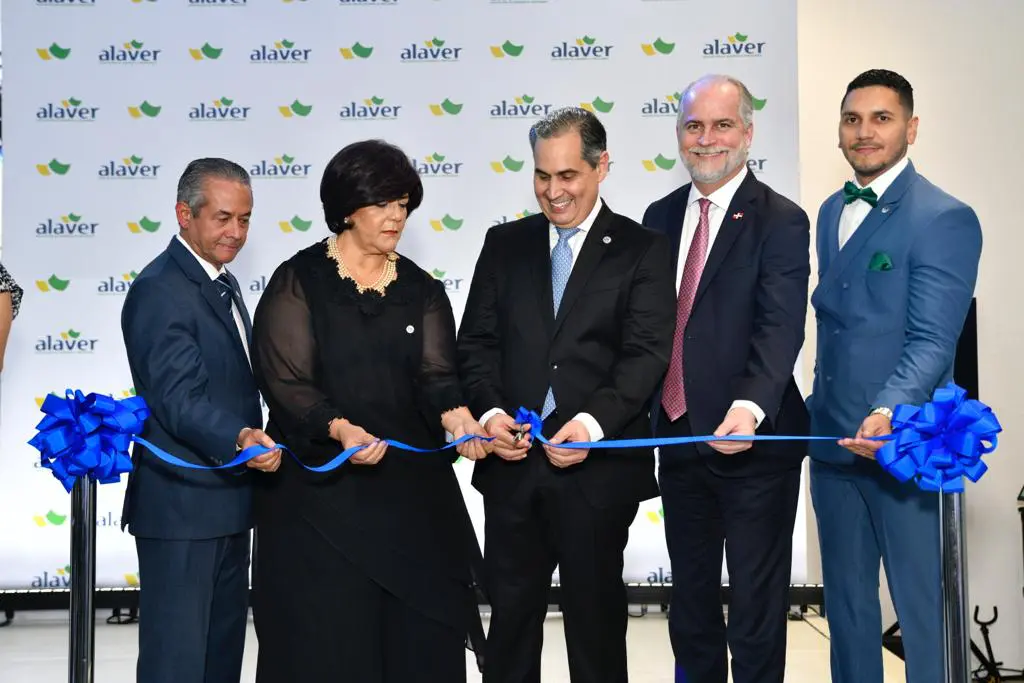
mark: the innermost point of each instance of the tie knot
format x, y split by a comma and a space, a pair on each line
565, 233
852, 193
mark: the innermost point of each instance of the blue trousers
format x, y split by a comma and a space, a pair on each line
865, 516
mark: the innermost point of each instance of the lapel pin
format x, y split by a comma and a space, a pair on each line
606, 239
885, 209
410, 329
738, 215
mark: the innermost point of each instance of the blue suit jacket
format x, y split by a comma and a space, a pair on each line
188, 363
887, 332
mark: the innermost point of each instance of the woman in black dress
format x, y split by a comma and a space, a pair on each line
362, 574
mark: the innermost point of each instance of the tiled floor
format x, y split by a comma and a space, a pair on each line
34, 650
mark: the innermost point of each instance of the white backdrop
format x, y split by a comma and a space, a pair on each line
107, 100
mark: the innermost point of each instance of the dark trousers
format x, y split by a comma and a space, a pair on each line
193, 609
752, 517
547, 521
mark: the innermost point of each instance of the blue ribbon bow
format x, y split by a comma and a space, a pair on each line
940, 442
88, 435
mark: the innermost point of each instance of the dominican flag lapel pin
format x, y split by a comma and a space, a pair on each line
738, 215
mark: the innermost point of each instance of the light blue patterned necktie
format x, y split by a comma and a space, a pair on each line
561, 267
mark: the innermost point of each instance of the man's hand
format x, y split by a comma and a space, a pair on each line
863, 445
268, 462
573, 430
737, 422
503, 428
353, 435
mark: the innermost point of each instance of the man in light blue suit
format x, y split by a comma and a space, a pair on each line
898, 259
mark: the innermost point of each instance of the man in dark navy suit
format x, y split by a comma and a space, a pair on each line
187, 334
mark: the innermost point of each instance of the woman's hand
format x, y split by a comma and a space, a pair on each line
460, 422
353, 435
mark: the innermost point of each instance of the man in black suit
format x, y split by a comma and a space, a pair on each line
741, 256
570, 314
187, 333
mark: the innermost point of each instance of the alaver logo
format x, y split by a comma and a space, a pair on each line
68, 225
521, 107
53, 168
506, 49
597, 106
373, 108
52, 284
69, 341
143, 225
659, 576
446, 223
437, 166
667, 106
280, 52
117, 285
223, 109
658, 47
51, 518
145, 109
207, 51
295, 224
128, 168
507, 164
70, 110
447, 107
356, 51
433, 50
582, 48
131, 52
450, 281
55, 51
296, 108
736, 45
61, 578
280, 168
659, 163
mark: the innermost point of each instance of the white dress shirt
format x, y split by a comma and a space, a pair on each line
576, 245
854, 213
720, 200
213, 272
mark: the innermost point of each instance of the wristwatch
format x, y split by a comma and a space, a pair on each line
882, 410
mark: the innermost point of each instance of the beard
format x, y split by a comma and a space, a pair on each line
875, 169
709, 172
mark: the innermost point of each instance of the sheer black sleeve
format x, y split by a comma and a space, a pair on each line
439, 376
285, 360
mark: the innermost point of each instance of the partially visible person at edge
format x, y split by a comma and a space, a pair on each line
10, 302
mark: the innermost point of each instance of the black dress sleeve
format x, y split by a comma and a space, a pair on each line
438, 376
7, 284
285, 358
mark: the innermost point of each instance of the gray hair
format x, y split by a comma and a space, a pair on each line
746, 99
192, 183
593, 137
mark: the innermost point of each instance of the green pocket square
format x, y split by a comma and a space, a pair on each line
880, 261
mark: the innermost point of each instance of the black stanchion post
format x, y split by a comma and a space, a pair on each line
83, 581
954, 588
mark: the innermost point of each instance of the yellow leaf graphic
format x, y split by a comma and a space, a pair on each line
285, 112
649, 165
648, 49
435, 109
496, 51
436, 225
37, 519
135, 113
196, 54
498, 168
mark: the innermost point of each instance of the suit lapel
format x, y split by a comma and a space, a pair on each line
538, 242
246, 320
740, 211
599, 236
675, 216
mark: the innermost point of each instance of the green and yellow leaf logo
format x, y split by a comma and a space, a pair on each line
598, 106
296, 108
207, 51
759, 104
525, 213
659, 163
585, 40
658, 47
434, 42
71, 217
446, 107
132, 580
435, 158
357, 51
284, 44
295, 223
70, 335
508, 163
438, 274
656, 517
446, 223
737, 38
144, 224
507, 48
127, 393
51, 518
53, 284
55, 51
145, 109
53, 168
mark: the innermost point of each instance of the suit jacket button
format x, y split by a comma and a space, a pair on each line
554, 366
828, 378
846, 285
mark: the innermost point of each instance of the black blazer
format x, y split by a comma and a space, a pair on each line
604, 354
747, 323
188, 363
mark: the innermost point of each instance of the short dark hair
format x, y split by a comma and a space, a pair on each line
593, 138
887, 79
192, 183
366, 173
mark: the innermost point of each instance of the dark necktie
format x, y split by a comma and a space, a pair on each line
852, 193
226, 289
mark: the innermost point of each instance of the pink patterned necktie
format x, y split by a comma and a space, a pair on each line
673, 397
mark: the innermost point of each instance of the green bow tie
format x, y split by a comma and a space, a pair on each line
852, 193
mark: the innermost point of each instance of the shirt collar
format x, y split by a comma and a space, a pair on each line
588, 222
722, 197
208, 267
882, 182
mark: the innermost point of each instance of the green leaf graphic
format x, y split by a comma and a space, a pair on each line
226, 102
511, 49
301, 109
512, 165
55, 519
136, 44
288, 44
57, 283
74, 217
450, 107
437, 157
437, 42
136, 160
73, 102
588, 40
361, 51
377, 100
149, 226
300, 225
73, 334
211, 52
759, 104
451, 223
602, 106
59, 52
438, 273
528, 99
663, 47
59, 168
149, 110
287, 159
663, 163
740, 37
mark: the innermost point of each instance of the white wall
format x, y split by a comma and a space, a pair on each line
964, 61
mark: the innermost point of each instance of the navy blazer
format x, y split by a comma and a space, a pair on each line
890, 306
188, 363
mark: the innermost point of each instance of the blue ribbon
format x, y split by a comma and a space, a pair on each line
940, 442
88, 436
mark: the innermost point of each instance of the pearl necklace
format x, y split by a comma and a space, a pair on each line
388, 274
